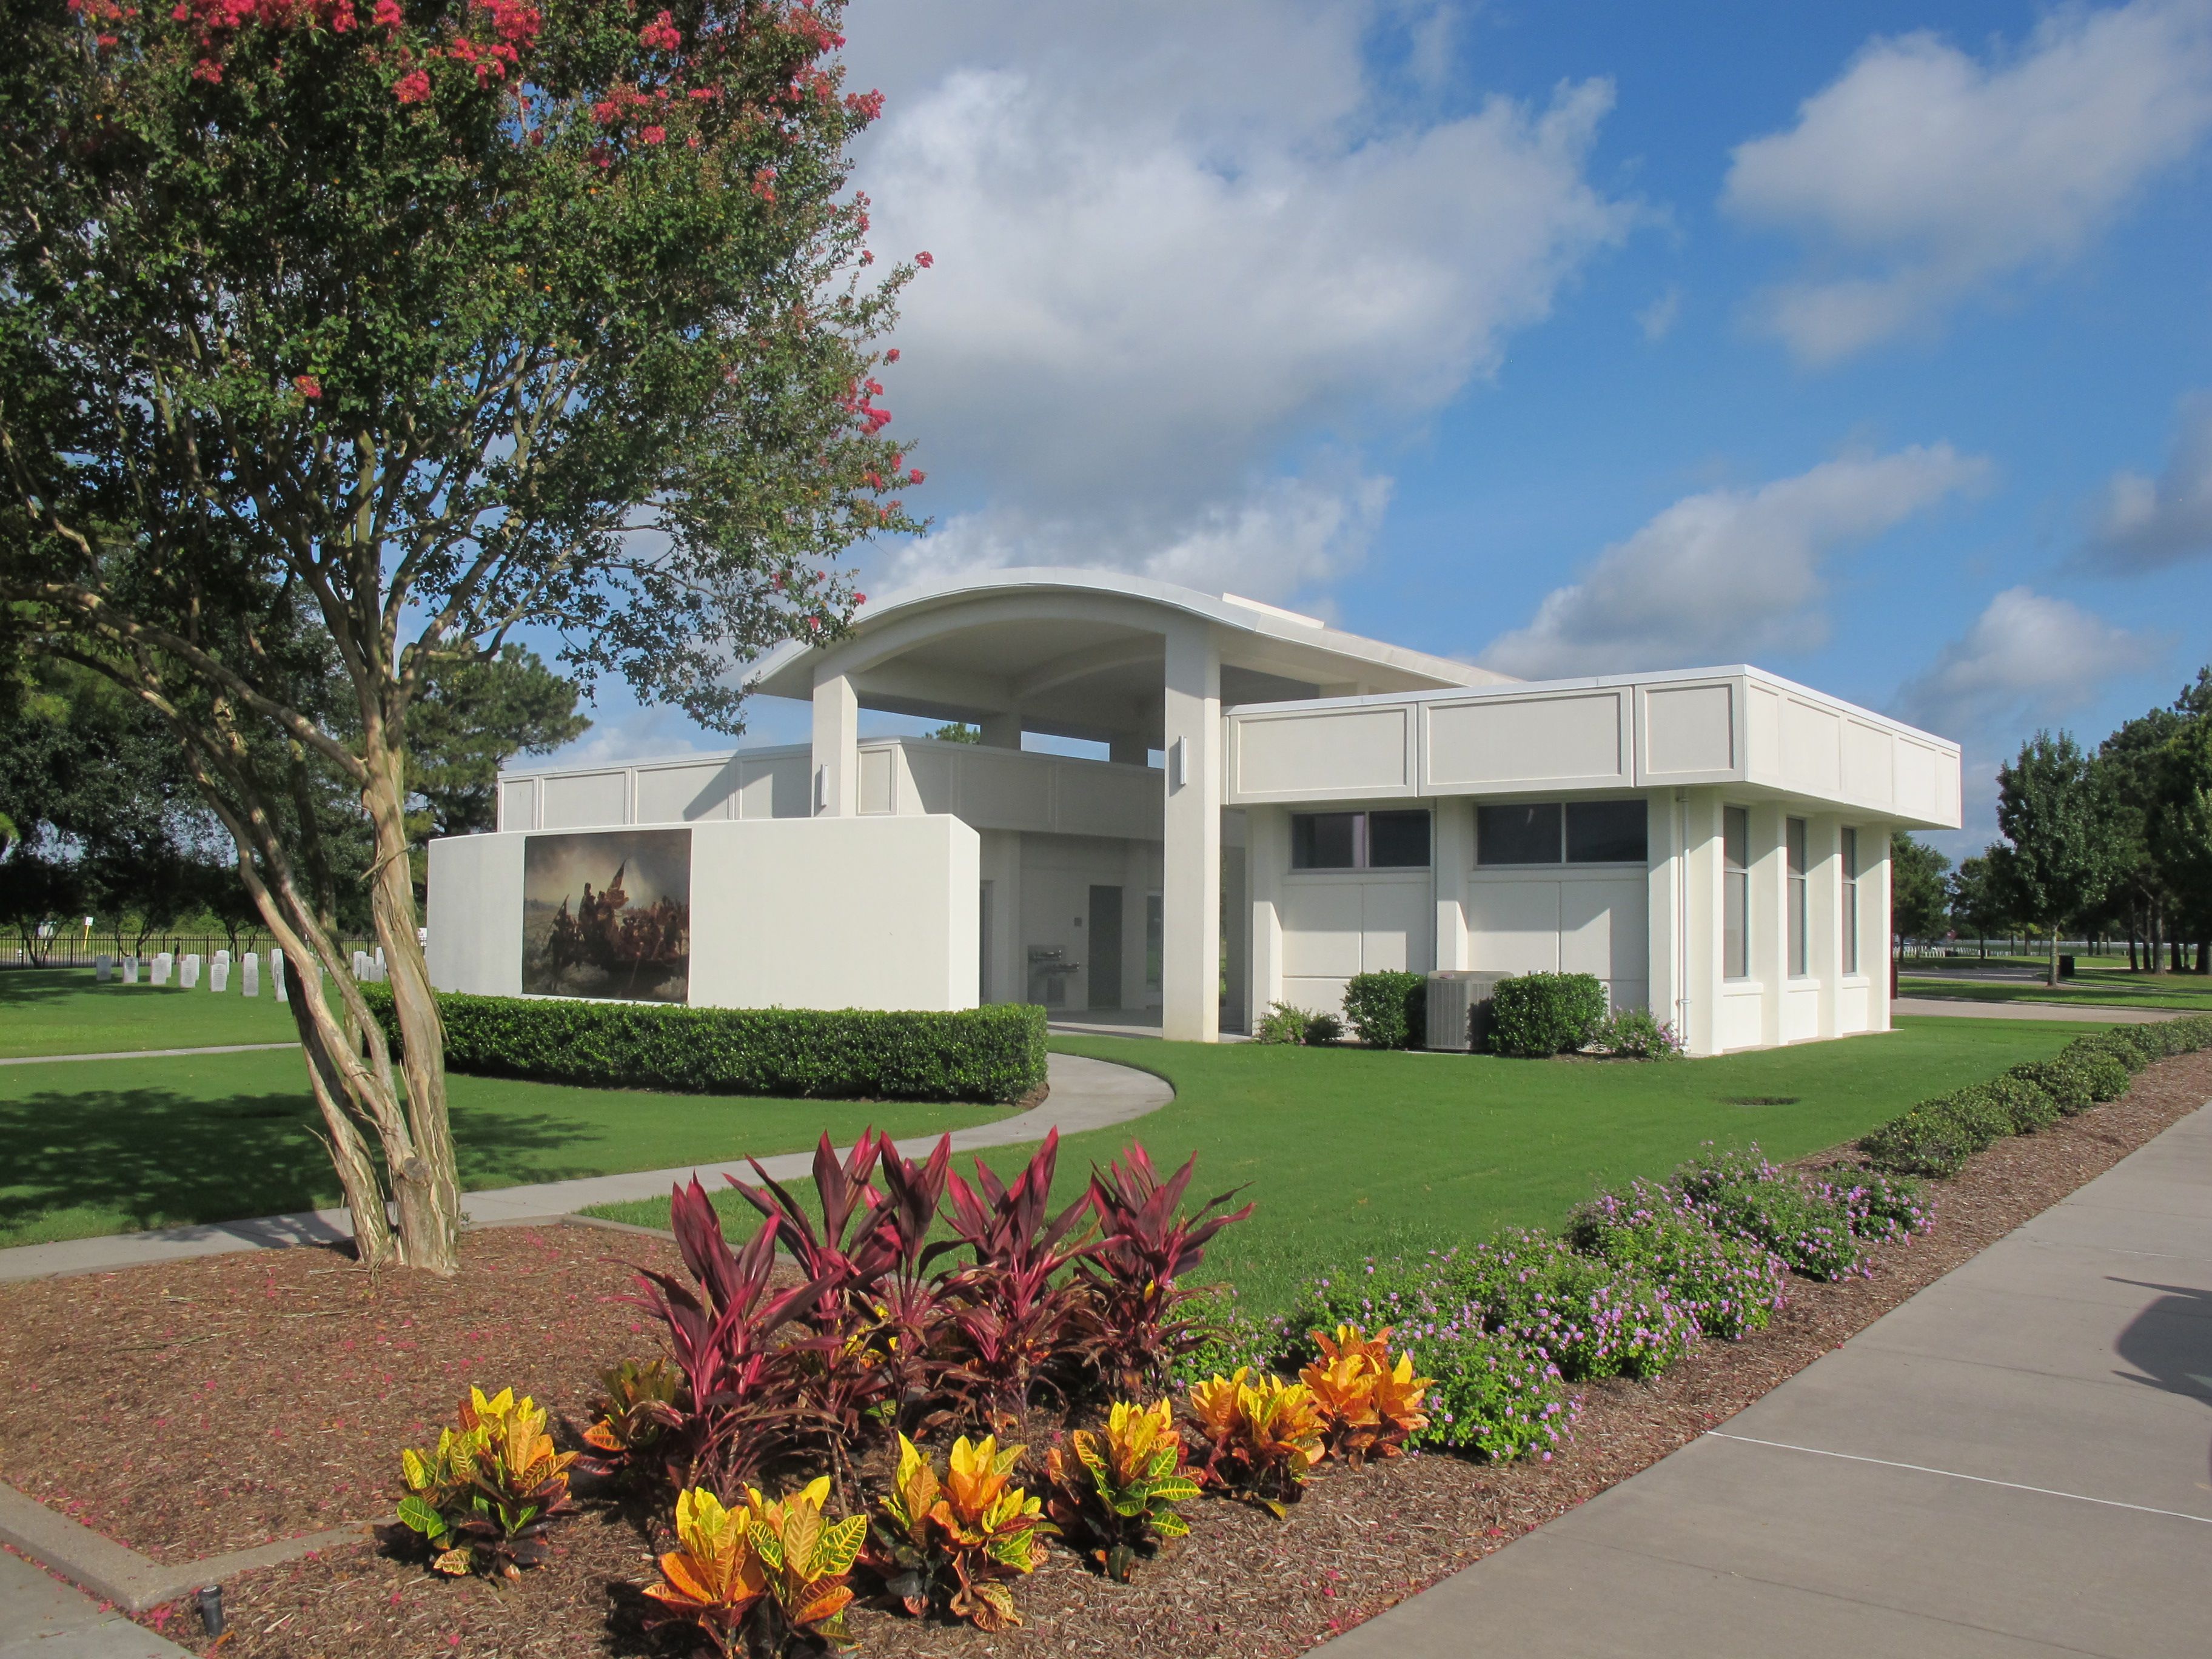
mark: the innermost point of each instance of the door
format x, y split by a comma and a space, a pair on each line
1105, 931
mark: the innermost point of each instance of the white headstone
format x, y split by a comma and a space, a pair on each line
164, 964
360, 967
252, 964
380, 962
219, 976
103, 969
130, 970
190, 976
223, 956
277, 976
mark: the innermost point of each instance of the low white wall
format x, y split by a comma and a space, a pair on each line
795, 913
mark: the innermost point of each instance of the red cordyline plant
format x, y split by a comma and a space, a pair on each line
1024, 1319
1149, 1245
912, 1310
742, 1385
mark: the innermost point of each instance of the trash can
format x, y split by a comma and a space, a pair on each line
2065, 967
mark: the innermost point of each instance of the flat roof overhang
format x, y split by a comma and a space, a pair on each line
1082, 654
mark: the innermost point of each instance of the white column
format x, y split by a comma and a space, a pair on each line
836, 747
1000, 731
1664, 905
1770, 913
1267, 856
1874, 921
1451, 861
1190, 883
1825, 900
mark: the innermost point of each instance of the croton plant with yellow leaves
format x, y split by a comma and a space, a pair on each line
1369, 1402
955, 1539
1117, 1493
485, 1497
766, 1576
1261, 1437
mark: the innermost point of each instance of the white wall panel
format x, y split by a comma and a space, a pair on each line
1689, 729
930, 773
1503, 743
1005, 792
1763, 729
1812, 748
1397, 928
1801, 1015
1869, 763
1513, 926
1321, 926
1095, 800
1918, 791
778, 788
1329, 753
517, 804
584, 800
1742, 1019
878, 793
474, 915
677, 794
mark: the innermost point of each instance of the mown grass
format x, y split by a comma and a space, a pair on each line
2093, 985
96, 1146
1350, 1153
64, 1011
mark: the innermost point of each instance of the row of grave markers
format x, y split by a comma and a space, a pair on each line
367, 969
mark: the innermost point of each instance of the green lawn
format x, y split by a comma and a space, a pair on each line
64, 1011
96, 1146
2108, 987
1349, 1152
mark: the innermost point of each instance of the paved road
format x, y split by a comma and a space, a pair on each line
1085, 1094
2012, 1463
2099, 1014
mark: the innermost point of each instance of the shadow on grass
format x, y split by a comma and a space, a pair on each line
83, 1162
33, 987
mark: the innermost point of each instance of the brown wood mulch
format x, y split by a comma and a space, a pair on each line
282, 1417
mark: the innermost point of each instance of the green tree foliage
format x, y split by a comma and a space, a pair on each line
1919, 903
356, 336
2054, 810
1979, 898
473, 718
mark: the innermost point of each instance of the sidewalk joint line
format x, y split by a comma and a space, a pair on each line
1954, 1474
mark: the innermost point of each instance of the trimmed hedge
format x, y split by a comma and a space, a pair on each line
1937, 1137
1535, 1016
1388, 1009
985, 1054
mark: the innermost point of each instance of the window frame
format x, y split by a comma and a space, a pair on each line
1848, 851
1563, 861
1362, 862
1735, 894
1797, 853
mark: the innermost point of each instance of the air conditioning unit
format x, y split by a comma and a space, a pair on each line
1458, 1009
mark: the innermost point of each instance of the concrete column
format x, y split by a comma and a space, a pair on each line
1451, 860
1190, 883
1000, 731
836, 748
1874, 921
1824, 897
1702, 829
1267, 856
1770, 926
1129, 749
1663, 906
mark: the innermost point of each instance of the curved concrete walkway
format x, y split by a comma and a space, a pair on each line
2012, 1463
1085, 1094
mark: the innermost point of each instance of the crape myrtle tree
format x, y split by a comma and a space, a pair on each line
2052, 809
405, 325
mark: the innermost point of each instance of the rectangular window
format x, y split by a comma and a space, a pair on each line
1517, 834
1793, 834
1359, 841
1606, 832
1325, 841
1850, 901
1398, 841
1735, 892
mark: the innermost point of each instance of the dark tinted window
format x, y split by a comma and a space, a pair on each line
1324, 840
1517, 834
1605, 832
1398, 841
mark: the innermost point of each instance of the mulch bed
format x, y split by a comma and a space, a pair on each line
286, 1418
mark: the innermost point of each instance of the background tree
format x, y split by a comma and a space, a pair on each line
471, 719
2132, 772
333, 335
1978, 899
2053, 809
2180, 833
1920, 901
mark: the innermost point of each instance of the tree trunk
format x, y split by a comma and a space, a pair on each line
2053, 979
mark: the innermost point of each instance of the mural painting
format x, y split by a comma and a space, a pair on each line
608, 914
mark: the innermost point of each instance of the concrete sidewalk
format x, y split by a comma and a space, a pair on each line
2014, 1462
1085, 1094
42, 1618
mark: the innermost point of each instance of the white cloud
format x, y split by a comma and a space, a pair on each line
1182, 252
1725, 576
2150, 523
2027, 660
1923, 175
1658, 318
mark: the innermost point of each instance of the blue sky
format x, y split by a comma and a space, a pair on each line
1870, 343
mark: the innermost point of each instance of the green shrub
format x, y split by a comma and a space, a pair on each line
2029, 1105
2134, 1046
2104, 1072
1535, 1016
1730, 1285
2188, 1035
2072, 1081
1492, 1396
1882, 1209
1282, 1024
994, 1054
1636, 1034
1936, 1137
1743, 1194
1388, 1009
1593, 1318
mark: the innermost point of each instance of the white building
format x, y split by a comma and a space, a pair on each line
1282, 806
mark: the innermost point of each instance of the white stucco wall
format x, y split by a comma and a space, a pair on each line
808, 912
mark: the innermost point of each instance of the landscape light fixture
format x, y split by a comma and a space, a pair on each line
210, 1604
